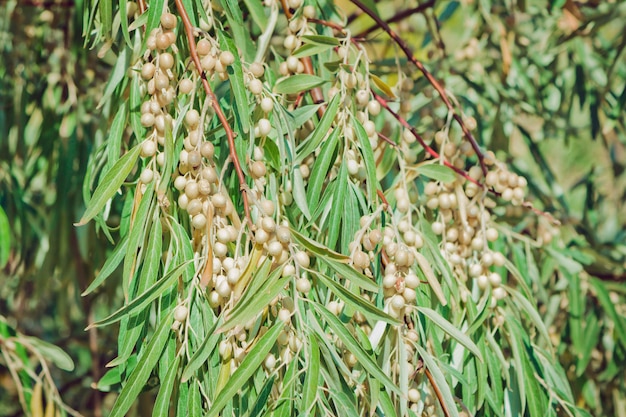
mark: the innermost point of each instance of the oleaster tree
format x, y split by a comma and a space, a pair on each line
305, 221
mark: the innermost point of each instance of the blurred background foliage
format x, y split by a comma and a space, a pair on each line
546, 82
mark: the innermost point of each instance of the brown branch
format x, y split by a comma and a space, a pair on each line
431, 79
438, 393
422, 142
216, 106
399, 17
142, 7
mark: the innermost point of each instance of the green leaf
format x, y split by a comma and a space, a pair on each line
368, 158
5, 238
437, 172
257, 11
321, 131
351, 274
317, 249
355, 347
145, 298
162, 402
320, 40
140, 374
297, 83
235, 76
262, 400
124, 22
609, 308
311, 380
355, 301
140, 223
247, 308
111, 182
203, 351
337, 212
155, 10
452, 331
52, 353
106, 17
440, 380
309, 49
250, 364
321, 166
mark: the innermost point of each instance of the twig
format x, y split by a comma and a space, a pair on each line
431, 79
216, 106
398, 17
438, 393
422, 142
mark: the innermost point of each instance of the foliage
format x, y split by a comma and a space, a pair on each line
313, 225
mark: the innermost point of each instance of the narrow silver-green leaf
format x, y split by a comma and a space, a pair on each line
247, 310
203, 352
321, 166
311, 380
317, 249
440, 380
355, 347
351, 274
437, 172
321, 130
145, 298
162, 402
110, 184
235, 77
246, 369
5, 238
52, 352
297, 83
110, 265
368, 158
452, 331
356, 302
140, 374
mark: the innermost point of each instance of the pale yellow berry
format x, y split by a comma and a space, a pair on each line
227, 58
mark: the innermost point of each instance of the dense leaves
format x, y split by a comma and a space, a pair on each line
315, 208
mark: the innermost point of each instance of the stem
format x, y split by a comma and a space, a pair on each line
398, 17
216, 106
422, 142
432, 80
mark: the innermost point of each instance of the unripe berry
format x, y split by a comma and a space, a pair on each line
275, 249
302, 258
148, 148
180, 182
255, 86
267, 104
258, 169
192, 118
264, 127
207, 149
166, 60
303, 285
147, 71
185, 86
163, 41
180, 313
146, 176
194, 207
147, 120
168, 21
227, 58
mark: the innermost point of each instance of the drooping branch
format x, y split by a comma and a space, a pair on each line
431, 79
230, 135
399, 17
